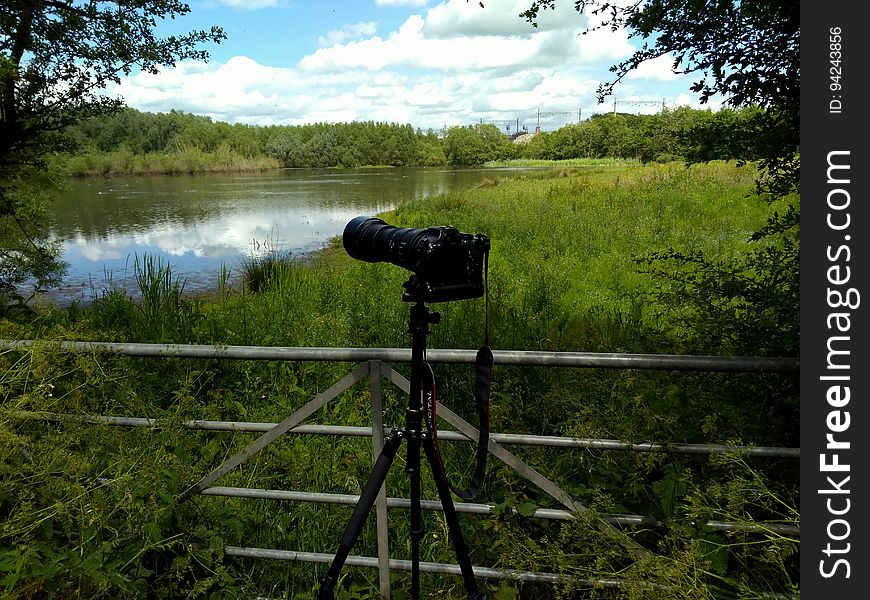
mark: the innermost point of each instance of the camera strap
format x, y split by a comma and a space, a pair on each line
486, 299
482, 389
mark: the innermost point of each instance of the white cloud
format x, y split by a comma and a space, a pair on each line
237, 90
348, 32
409, 48
454, 63
659, 69
459, 36
458, 18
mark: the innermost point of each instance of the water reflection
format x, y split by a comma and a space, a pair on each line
200, 223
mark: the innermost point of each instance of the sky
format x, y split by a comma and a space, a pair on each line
431, 64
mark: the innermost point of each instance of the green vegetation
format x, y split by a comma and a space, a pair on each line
178, 162
92, 511
175, 142
565, 162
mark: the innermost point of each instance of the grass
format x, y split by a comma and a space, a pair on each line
562, 277
563, 243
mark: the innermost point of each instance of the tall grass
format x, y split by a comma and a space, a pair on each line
561, 277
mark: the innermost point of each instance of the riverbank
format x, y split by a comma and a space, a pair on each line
567, 162
187, 161
192, 161
564, 241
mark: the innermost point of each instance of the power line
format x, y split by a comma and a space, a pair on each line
506, 122
555, 114
638, 103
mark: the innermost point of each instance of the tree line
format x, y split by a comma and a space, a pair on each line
678, 134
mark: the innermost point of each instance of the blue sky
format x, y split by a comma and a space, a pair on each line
428, 63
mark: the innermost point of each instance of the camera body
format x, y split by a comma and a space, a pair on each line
447, 264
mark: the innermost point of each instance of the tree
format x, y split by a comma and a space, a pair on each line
475, 145
57, 58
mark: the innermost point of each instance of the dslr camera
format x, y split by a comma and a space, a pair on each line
447, 264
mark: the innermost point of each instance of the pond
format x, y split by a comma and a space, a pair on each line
200, 224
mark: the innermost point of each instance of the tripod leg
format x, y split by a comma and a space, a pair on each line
360, 512
452, 522
412, 467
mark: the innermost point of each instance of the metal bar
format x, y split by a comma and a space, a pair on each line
494, 448
198, 424
597, 360
511, 460
604, 444
520, 467
485, 509
382, 522
397, 565
777, 528
280, 429
455, 436
451, 569
404, 503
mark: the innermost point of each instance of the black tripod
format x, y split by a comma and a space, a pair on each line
418, 409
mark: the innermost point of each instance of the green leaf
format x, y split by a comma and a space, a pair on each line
506, 592
670, 489
499, 509
211, 449
527, 509
712, 550
153, 532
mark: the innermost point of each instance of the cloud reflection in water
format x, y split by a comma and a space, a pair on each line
200, 223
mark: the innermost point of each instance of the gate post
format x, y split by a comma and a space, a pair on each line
381, 500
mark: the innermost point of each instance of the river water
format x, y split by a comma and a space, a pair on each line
200, 223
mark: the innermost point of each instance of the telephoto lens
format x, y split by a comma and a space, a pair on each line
373, 240
447, 264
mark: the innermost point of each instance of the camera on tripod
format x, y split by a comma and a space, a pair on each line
447, 264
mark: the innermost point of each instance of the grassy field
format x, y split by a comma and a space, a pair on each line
562, 276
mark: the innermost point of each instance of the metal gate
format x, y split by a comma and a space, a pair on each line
373, 366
